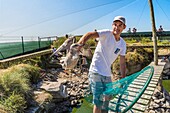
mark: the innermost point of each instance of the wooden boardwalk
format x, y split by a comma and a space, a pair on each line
135, 87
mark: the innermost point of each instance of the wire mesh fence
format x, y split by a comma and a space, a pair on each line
17, 45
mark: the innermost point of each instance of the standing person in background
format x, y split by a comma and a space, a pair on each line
129, 30
134, 30
160, 29
109, 47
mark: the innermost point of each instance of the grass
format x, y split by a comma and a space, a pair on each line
15, 87
166, 84
86, 107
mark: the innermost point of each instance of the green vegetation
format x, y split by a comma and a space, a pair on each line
60, 41
130, 40
166, 84
136, 57
15, 87
164, 42
145, 40
14, 103
86, 107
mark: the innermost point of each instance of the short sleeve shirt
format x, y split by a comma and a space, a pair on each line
106, 52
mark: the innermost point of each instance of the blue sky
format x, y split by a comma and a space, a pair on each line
76, 17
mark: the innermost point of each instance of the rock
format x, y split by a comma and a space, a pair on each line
73, 103
151, 111
42, 96
157, 101
167, 104
57, 89
167, 98
33, 109
151, 107
154, 98
156, 93
85, 87
167, 111
159, 88
155, 105
162, 100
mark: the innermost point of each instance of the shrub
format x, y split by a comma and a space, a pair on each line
14, 103
165, 42
14, 82
138, 56
58, 42
145, 40
15, 87
130, 40
28, 71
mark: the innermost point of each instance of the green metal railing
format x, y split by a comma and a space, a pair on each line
142, 90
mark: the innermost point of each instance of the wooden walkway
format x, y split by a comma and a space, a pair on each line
142, 103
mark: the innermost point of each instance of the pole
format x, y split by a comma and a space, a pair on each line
22, 44
39, 42
153, 33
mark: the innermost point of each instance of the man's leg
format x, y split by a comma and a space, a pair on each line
97, 90
96, 109
106, 98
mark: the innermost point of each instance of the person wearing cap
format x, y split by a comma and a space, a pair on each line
109, 47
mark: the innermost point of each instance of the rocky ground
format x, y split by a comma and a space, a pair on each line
60, 91
160, 102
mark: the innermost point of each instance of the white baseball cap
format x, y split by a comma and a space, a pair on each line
120, 18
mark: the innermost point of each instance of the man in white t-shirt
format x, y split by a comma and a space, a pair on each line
109, 47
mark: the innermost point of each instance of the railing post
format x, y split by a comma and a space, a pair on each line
39, 44
2, 55
50, 41
22, 44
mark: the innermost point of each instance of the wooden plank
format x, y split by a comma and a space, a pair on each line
135, 86
134, 111
152, 85
139, 107
143, 101
138, 83
153, 82
148, 92
129, 89
142, 81
146, 96
150, 88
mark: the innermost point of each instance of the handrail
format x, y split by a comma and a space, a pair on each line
143, 89
121, 86
145, 34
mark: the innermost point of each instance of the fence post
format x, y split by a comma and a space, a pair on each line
39, 44
22, 44
50, 41
2, 55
